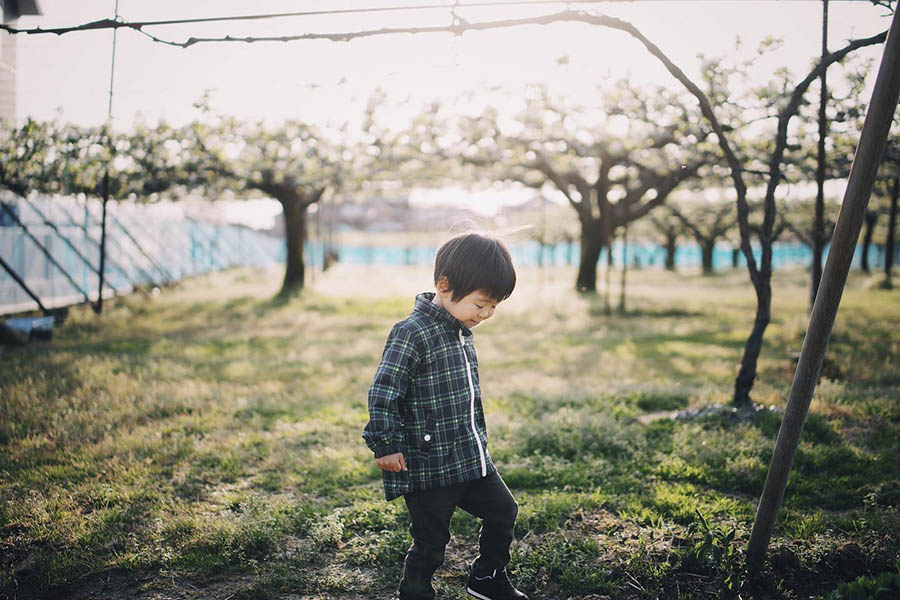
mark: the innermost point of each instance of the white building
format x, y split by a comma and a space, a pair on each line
10, 10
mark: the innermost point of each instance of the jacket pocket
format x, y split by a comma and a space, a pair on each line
427, 438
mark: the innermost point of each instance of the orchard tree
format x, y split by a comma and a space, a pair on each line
822, 147
785, 109
613, 163
668, 229
26, 156
887, 189
890, 240
138, 164
882, 204
294, 163
707, 224
795, 217
846, 113
893, 158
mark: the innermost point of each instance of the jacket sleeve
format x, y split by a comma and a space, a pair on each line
384, 431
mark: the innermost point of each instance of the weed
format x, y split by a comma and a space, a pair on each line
885, 586
328, 531
570, 562
713, 549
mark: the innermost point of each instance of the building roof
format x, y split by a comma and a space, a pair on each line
13, 9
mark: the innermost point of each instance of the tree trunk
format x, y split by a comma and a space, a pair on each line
747, 374
294, 236
592, 244
707, 247
818, 232
871, 219
735, 257
889, 243
671, 247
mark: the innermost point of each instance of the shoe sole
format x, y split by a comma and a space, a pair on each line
472, 592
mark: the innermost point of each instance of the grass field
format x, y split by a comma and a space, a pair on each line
206, 444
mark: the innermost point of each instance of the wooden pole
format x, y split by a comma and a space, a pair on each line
856, 197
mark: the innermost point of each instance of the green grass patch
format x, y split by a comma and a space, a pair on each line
213, 436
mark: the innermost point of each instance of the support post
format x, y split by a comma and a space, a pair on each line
99, 306
115, 264
856, 197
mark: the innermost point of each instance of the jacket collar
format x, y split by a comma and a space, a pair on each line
425, 306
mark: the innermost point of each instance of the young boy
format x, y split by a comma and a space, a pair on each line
426, 423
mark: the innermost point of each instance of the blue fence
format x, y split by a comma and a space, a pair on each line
145, 244
530, 253
158, 243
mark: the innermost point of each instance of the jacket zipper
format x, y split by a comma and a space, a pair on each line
462, 342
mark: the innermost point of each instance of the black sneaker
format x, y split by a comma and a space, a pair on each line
493, 585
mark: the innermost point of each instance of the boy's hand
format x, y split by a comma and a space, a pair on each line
391, 462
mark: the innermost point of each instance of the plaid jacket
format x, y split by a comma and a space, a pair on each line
425, 402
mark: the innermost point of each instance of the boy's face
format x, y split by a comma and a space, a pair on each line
470, 310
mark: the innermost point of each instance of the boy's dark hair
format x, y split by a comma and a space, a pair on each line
473, 262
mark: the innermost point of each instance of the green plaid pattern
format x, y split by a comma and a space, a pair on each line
420, 403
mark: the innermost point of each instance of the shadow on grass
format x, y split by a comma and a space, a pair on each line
645, 312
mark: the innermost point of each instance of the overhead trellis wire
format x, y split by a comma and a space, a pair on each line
457, 27
139, 26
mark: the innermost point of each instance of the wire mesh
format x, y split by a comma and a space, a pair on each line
146, 245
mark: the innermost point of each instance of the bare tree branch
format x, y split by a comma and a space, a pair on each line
685, 221
663, 185
801, 235
884, 4
789, 111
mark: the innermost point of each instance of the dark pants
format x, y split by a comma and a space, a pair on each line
488, 499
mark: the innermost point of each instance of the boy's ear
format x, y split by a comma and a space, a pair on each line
443, 284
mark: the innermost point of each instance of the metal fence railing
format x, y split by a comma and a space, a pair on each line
50, 249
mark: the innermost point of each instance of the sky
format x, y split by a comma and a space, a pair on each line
68, 76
